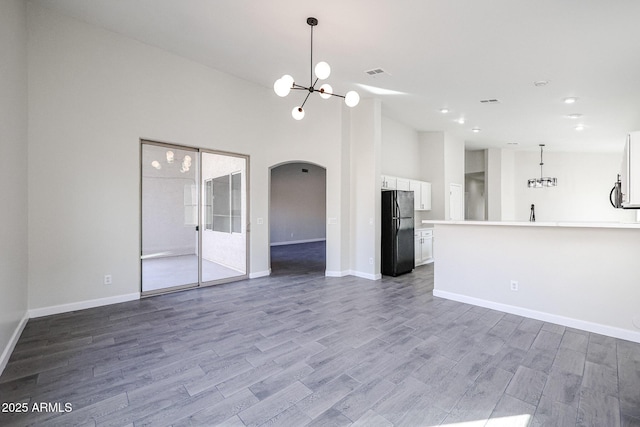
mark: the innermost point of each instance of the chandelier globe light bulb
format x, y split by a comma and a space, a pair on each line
352, 98
282, 86
277, 88
297, 113
322, 70
325, 91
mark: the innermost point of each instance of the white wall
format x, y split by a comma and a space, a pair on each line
432, 158
495, 181
508, 185
92, 95
582, 194
453, 168
298, 203
579, 277
442, 160
400, 150
365, 188
13, 174
474, 161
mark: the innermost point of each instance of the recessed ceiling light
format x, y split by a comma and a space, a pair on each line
475, 130
539, 83
574, 116
460, 120
580, 127
570, 100
444, 110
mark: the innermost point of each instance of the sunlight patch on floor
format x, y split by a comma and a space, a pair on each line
510, 421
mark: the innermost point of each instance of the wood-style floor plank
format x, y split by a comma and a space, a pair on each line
297, 348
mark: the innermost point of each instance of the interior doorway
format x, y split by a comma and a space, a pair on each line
475, 205
194, 210
297, 218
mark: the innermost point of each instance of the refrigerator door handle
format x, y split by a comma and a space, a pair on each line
395, 199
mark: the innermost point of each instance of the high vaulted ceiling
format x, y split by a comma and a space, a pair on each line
436, 54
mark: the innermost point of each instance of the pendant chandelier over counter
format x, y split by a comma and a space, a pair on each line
286, 83
543, 181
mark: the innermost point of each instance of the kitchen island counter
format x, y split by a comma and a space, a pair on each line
539, 224
580, 275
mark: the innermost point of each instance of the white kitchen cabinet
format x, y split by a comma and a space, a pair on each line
631, 172
423, 242
389, 182
403, 184
421, 190
421, 195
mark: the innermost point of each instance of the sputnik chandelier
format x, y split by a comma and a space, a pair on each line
543, 181
286, 84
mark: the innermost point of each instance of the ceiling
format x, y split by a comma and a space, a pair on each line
436, 54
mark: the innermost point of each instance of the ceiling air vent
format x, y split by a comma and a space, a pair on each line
489, 101
376, 71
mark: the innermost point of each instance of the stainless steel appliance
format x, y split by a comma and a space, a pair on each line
397, 232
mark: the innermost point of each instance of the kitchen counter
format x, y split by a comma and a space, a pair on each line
539, 224
578, 274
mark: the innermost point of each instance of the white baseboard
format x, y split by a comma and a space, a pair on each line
6, 353
81, 305
293, 242
365, 275
331, 273
584, 325
258, 274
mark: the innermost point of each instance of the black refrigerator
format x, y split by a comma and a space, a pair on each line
397, 232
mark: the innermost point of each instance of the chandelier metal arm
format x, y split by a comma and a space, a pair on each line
284, 85
305, 99
311, 62
334, 94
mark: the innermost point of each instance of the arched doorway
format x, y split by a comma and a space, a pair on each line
297, 218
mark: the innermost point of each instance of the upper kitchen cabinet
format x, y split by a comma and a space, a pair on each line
421, 190
394, 183
630, 176
389, 182
403, 184
421, 195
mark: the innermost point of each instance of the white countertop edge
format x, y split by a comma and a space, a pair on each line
539, 224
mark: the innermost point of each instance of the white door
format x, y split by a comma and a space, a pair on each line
456, 210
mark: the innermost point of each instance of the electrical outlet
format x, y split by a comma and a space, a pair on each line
371, 261
514, 285
107, 279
